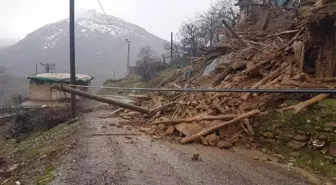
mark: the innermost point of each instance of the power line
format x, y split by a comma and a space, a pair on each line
106, 16
101, 6
118, 46
291, 91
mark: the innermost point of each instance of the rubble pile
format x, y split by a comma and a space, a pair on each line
277, 49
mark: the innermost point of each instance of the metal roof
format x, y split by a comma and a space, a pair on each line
60, 77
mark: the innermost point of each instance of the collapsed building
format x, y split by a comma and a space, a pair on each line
272, 48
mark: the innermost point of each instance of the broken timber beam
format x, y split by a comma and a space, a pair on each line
112, 114
234, 33
281, 33
61, 87
161, 108
303, 105
216, 127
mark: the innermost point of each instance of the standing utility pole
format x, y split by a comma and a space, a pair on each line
72, 55
128, 56
36, 70
171, 46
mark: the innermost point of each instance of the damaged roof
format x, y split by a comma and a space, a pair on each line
60, 77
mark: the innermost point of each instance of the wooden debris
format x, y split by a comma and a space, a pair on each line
258, 65
197, 118
303, 105
281, 33
327, 79
189, 129
154, 111
220, 109
138, 96
273, 60
264, 21
177, 86
234, 33
116, 134
112, 114
299, 52
271, 76
248, 124
255, 43
133, 122
214, 128
293, 39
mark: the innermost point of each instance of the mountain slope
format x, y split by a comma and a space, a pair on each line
100, 46
6, 42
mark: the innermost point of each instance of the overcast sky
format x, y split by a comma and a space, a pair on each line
160, 17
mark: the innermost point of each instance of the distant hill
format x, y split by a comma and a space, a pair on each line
100, 46
6, 42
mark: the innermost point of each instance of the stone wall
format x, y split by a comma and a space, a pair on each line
307, 139
322, 139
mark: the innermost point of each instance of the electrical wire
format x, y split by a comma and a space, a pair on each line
107, 18
290, 91
118, 46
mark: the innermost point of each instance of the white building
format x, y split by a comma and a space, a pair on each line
40, 85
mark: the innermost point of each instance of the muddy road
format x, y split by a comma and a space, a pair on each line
140, 160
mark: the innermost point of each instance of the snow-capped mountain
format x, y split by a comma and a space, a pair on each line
100, 46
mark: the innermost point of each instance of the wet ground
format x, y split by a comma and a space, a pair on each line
123, 158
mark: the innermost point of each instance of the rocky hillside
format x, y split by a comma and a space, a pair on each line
100, 46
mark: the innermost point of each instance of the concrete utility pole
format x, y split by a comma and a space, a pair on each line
72, 55
36, 69
128, 56
171, 46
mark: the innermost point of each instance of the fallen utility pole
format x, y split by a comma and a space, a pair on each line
60, 87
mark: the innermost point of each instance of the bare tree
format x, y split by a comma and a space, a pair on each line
210, 22
190, 38
2, 80
177, 49
149, 64
17, 98
202, 31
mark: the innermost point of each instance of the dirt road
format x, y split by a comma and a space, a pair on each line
139, 160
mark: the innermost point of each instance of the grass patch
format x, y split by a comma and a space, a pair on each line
285, 125
37, 153
47, 176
